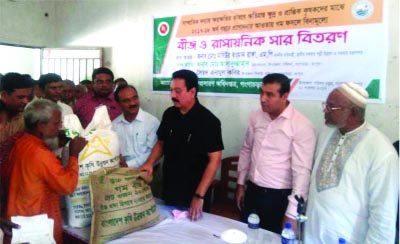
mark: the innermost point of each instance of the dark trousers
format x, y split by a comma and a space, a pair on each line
269, 204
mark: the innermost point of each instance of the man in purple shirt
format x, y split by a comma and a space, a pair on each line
276, 158
102, 94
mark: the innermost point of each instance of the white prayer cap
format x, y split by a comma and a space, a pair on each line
355, 93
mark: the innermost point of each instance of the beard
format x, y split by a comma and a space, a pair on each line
52, 143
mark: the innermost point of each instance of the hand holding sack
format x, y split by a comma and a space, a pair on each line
102, 151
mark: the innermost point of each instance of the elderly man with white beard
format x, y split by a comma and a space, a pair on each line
37, 177
354, 183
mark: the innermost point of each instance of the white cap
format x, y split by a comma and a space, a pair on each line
355, 93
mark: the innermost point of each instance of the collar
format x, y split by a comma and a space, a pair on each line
287, 113
139, 117
355, 131
192, 111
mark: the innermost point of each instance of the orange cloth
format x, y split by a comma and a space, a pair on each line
37, 180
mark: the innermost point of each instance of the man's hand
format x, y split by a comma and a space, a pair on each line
292, 221
196, 209
7, 225
240, 193
62, 138
76, 146
146, 167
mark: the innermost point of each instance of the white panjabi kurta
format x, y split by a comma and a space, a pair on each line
354, 188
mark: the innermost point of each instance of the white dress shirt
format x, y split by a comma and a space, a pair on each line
136, 138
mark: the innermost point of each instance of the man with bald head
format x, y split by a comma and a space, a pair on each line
354, 183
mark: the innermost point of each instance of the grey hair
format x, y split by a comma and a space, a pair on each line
68, 82
40, 110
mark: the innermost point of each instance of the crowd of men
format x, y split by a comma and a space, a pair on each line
349, 173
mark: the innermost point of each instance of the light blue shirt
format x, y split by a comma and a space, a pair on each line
136, 138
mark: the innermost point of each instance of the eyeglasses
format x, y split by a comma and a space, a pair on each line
326, 107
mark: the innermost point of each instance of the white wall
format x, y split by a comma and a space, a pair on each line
25, 23
125, 28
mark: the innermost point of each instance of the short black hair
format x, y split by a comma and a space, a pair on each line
12, 81
47, 79
84, 82
191, 79
120, 79
120, 88
281, 79
102, 70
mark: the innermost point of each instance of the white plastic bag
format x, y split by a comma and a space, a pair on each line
101, 151
36, 229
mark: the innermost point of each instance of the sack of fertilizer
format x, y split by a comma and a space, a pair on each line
101, 151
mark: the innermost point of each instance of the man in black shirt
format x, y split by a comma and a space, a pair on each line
190, 139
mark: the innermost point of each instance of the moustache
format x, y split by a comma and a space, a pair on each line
175, 100
132, 106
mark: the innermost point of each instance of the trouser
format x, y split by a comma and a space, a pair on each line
269, 204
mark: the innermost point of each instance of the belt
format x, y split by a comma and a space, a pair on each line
268, 190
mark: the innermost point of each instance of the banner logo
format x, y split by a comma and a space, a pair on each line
163, 29
362, 9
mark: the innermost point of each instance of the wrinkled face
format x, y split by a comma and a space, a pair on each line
17, 100
53, 91
129, 102
337, 110
180, 96
271, 101
103, 84
68, 93
51, 128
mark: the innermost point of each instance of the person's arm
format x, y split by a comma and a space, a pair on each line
155, 154
244, 164
7, 226
59, 179
383, 192
303, 147
196, 206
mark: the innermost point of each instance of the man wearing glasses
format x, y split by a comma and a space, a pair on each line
85, 107
354, 183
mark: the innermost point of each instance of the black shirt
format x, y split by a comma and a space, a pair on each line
188, 138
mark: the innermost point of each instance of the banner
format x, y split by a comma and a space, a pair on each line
317, 44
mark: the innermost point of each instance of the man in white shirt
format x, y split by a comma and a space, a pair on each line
355, 180
135, 127
52, 87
